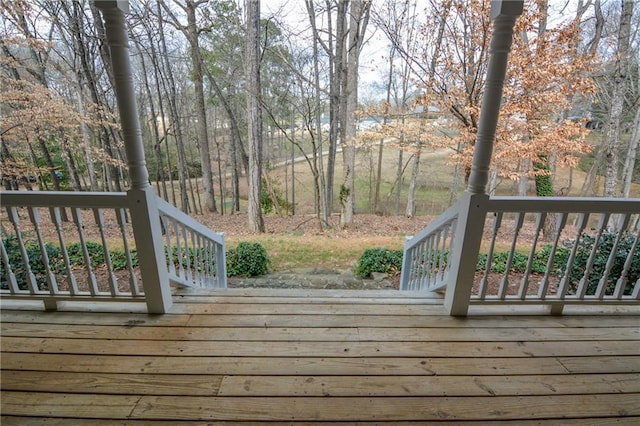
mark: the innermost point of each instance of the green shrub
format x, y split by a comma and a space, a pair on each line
520, 260
119, 259
56, 262
266, 200
36, 262
76, 257
379, 260
605, 246
247, 260
541, 259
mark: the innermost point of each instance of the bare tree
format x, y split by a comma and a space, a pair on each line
254, 121
612, 147
630, 161
359, 18
192, 33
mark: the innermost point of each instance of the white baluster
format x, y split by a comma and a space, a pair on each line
56, 218
524, 284
92, 283
14, 218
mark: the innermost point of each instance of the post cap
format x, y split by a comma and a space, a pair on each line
506, 8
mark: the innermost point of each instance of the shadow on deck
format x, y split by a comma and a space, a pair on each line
253, 355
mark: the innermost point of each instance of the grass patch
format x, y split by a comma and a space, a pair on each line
290, 252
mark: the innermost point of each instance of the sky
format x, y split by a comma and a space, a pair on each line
373, 58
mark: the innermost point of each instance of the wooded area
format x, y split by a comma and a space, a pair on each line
229, 93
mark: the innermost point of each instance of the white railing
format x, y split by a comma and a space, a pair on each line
195, 254
58, 246
588, 254
425, 263
551, 251
53, 259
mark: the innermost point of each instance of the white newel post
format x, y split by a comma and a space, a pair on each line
474, 209
142, 199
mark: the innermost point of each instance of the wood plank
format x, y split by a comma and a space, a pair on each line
388, 408
346, 349
67, 405
391, 321
40, 421
104, 383
305, 293
394, 321
304, 366
400, 334
179, 333
498, 335
428, 385
93, 318
497, 307
360, 300
320, 408
305, 309
369, 363
75, 306
578, 365
201, 385
426, 309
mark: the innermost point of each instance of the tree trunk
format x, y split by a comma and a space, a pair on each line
612, 147
254, 113
72, 169
293, 171
161, 180
169, 85
337, 92
236, 140
399, 173
201, 114
376, 198
523, 182
86, 144
632, 152
323, 187
411, 198
359, 17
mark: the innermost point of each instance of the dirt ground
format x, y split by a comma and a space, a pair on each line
364, 225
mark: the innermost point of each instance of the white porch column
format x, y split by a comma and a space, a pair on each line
474, 202
142, 198
504, 14
118, 40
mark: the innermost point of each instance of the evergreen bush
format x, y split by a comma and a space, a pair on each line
56, 262
95, 250
379, 260
36, 262
596, 273
247, 260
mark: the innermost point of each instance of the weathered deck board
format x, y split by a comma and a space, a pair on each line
40, 421
202, 385
319, 408
329, 334
343, 349
318, 320
301, 356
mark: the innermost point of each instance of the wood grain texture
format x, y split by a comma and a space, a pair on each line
244, 358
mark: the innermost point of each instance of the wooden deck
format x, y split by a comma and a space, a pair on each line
248, 356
